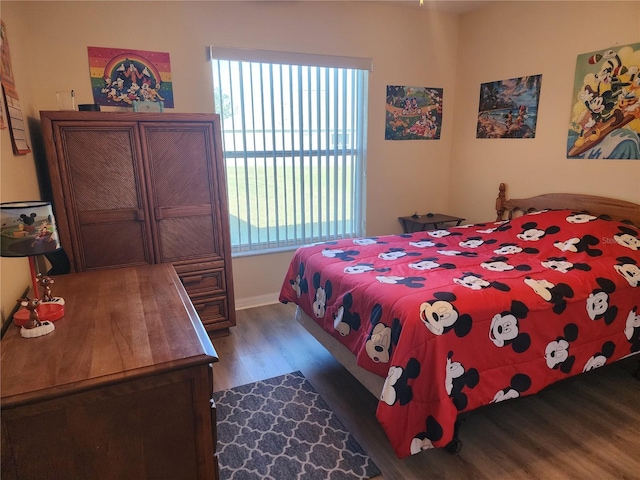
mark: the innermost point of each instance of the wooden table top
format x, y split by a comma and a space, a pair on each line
118, 324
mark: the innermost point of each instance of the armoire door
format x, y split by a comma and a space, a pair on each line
183, 186
102, 178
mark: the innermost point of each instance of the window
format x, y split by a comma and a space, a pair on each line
294, 140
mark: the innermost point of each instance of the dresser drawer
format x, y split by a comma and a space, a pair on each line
212, 280
211, 309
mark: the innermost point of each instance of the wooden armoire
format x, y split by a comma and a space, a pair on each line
143, 188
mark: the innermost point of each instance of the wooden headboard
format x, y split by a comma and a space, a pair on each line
615, 209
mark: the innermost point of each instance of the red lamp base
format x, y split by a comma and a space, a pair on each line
46, 312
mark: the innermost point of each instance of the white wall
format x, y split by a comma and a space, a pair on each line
18, 178
458, 174
409, 46
513, 39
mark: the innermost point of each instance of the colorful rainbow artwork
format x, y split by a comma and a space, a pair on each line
119, 76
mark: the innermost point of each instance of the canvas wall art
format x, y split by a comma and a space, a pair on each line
5, 69
509, 108
413, 113
119, 76
605, 113
3, 125
9, 93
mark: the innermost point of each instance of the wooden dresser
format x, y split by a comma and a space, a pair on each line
120, 389
143, 188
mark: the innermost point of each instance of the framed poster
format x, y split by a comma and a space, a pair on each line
413, 113
509, 108
3, 125
9, 94
120, 76
6, 72
605, 113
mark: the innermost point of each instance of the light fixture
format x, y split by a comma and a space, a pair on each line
28, 229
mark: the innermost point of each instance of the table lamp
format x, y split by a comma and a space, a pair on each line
28, 229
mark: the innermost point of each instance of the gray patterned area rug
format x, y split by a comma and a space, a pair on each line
281, 429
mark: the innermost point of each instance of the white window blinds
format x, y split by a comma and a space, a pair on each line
294, 139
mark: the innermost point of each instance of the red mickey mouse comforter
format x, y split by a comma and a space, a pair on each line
459, 318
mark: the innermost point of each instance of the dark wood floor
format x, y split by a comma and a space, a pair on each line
587, 427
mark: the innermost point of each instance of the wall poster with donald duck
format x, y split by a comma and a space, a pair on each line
120, 76
605, 113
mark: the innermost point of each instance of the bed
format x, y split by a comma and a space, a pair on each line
439, 323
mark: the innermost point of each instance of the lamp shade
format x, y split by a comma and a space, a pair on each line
27, 229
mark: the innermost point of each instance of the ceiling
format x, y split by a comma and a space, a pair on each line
448, 6
453, 6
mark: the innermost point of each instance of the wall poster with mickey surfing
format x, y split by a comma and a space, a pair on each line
509, 108
605, 113
119, 77
413, 113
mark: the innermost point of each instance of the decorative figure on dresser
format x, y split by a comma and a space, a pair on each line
46, 282
34, 327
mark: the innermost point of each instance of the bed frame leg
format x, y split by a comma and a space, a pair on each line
455, 446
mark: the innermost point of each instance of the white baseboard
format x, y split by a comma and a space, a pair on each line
259, 301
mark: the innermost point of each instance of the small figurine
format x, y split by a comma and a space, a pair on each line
34, 327
46, 282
